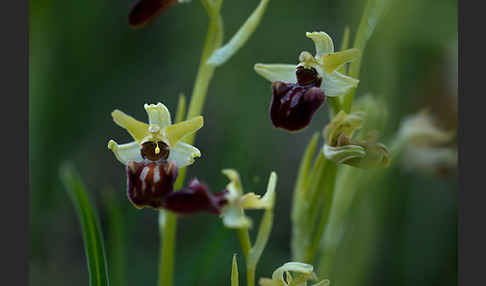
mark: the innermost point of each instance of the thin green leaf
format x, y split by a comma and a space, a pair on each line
344, 46
90, 226
222, 54
234, 272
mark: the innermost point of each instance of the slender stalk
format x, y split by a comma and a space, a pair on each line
205, 72
245, 243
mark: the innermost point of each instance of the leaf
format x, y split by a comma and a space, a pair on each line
221, 55
90, 226
234, 272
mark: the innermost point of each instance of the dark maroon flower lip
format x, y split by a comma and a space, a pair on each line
145, 11
149, 182
195, 198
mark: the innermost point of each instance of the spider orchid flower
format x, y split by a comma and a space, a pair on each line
299, 90
153, 158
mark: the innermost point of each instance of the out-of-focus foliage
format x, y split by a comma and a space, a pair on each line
85, 61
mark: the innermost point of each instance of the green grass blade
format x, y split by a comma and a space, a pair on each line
90, 226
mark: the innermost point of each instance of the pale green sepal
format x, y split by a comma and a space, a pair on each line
342, 154
174, 133
337, 84
183, 154
234, 272
333, 61
158, 115
277, 72
138, 130
234, 217
221, 55
126, 152
322, 42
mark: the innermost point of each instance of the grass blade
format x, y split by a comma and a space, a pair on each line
90, 226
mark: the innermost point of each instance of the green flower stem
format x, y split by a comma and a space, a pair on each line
204, 75
245, 243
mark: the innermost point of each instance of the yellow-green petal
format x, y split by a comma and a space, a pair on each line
277, 72
322, 42
138, 130
183, 154
158, 115
176, 132
252, 201
126, 152
333, 61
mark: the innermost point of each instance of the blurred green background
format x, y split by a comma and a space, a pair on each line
85, 61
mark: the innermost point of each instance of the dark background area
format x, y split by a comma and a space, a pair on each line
85, 61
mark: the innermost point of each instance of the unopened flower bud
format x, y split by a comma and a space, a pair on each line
149, 182
195, 198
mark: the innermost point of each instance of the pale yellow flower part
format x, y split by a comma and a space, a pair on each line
301, 273
420, 129
233, 213
326, 62
159, 128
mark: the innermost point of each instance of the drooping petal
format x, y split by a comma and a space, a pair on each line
183, 154
137, 129
342, 154
322, 42
158, 115
277, 72
176, 132
337, 84
126, 152
331, 62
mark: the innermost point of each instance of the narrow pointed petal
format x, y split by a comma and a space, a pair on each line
337, 84
322, 42
176, 132
158, 115
235, 181
144, 11
277, 72
126, 152
183, 154
137, 129
333, 61
252, 201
